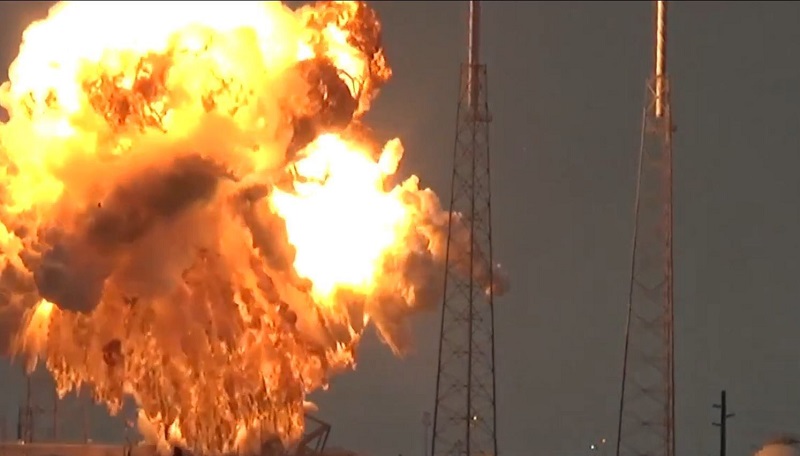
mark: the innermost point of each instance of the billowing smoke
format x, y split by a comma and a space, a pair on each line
194, 214
72, 273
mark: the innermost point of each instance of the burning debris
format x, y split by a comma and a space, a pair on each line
193, 214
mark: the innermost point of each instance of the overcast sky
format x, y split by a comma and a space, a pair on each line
566, 90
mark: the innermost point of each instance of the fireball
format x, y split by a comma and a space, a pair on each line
194, 215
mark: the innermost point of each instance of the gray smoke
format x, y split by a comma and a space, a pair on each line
73, 271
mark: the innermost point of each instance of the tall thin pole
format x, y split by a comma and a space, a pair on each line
473, 58
85, 409
723, 423
55, 415
20, 424
426, 424
28, 429
661, 56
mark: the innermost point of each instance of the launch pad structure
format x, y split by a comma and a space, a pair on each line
313, 443
32, 439
647, 400
464, 419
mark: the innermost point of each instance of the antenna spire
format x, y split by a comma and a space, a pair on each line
661, 55
474, 55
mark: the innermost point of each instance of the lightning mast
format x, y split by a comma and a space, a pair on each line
647, 402
464, 421
27, 414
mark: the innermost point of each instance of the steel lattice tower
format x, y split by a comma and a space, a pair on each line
647, 403
464, 420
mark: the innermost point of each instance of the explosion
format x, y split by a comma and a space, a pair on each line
194, 215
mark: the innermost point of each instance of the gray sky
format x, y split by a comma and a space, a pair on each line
566, 90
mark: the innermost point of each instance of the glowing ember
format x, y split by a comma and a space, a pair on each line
193, 216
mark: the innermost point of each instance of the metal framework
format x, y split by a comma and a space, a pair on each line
315, 438
464, 421
647, 402
27, 413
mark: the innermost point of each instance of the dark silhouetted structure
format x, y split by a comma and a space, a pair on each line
647, 402
464, 417
723, 423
